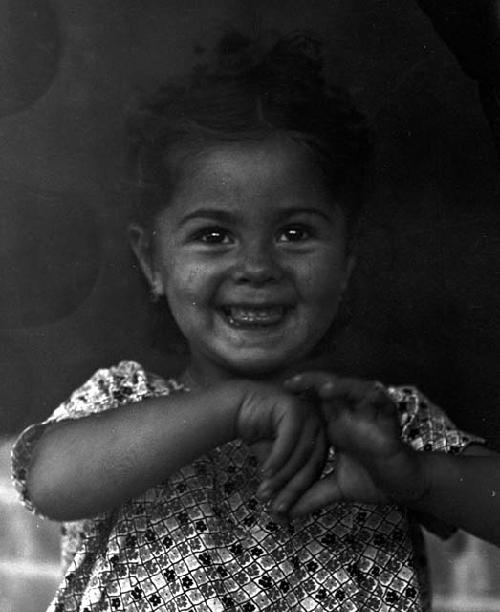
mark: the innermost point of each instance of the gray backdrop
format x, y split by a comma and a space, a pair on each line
425, 302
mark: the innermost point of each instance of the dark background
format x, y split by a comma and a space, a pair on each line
425, 301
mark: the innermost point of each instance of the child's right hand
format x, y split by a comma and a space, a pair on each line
295, 430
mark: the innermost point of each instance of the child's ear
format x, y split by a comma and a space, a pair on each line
142, 244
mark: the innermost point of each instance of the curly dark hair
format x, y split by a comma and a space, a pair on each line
249, 92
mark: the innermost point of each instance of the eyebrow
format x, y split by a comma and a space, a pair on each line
225, 216
289, 211
217, 214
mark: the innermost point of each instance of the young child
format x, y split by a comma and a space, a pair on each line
250, 483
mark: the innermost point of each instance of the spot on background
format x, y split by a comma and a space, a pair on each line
16, 383
29, 52
49, 255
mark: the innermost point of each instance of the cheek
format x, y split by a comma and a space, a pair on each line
183, 289
325, 277
188, 282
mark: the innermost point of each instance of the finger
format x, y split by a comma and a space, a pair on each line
287, 429
308, 381
377, 399
303, 450
369, 400
329, 386
301, 480
352, 390
323, 493
262, 449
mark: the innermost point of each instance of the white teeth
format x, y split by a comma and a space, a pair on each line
262, 316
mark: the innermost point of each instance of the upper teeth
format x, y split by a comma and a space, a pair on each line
254, 314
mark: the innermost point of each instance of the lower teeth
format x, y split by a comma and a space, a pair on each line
270, 316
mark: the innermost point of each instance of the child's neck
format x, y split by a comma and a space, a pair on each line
196, 377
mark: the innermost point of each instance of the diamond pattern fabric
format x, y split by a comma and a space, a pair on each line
202, 540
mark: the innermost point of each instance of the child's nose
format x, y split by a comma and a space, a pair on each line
257, 264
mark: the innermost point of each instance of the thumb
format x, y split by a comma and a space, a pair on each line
324, 492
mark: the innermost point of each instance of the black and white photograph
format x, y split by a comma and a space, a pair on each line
250, 306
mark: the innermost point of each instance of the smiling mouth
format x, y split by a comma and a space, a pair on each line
254, 316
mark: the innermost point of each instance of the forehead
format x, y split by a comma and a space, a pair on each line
273, 170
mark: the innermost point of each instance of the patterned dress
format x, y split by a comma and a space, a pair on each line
202, 540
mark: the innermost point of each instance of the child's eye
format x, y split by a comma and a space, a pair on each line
213, 235
294, 233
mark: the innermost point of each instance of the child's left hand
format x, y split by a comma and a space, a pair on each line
372, 464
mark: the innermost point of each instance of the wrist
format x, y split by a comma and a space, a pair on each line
408, 482
420, 485
228, 400
251, 419
441, 472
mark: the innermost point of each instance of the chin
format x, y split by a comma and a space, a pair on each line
263, 367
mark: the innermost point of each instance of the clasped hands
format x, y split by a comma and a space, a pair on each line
357, 418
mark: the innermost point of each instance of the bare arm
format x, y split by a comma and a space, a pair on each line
86, 466
83, 467
374, 465
463, 491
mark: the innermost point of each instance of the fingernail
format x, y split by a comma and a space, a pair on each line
327, 388
264, 492
281, 508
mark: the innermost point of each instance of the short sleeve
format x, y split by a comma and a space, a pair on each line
425, 426
106, 389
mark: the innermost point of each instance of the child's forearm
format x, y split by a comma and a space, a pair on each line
463, 491
83, 467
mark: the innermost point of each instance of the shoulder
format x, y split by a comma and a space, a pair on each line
112, 387
414, 405
106, 389
426, 426
409, 400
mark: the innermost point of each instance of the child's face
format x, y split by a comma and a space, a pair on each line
251, 255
